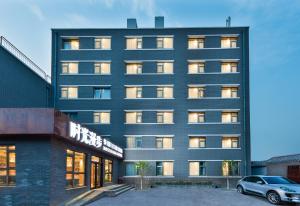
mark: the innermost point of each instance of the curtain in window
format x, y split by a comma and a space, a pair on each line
194, 168
131, 117
226, 117
167, 142
131, 43
72, 92
168, 68
168, 92
226, 68
194, 142
168, 42
168, 168
226, 92
226, 142
168, 117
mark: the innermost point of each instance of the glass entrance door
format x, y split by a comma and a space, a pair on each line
95, 172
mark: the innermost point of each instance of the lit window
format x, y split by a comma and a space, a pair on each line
230, 142
164, 92
229, 92
70, 68
230, 168
134, 68
134, 142
196, 117
197, 142
133, 117
196, 43
229, 117
102, 43
164, 42
164, 67
102, 68
196, 92
69, 92
197, 168
134, 43
7, 165
108, 166
75, 169
228, 42
102, 117
134, 92
164, 168
164, 142
196, 67
164, 117
229, 67
102, 93
71, 44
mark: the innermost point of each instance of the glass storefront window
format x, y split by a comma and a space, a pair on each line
108, 170
75, 169
7, 165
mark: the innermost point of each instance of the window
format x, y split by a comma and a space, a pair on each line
134, 92
164, 142
108, 170
196, 92
133, 117
197, 142
230, 142
196, 67
102, 93
102, 43
102, 117
228, 67
229, 92
196, 117
230, 168
164, 92
164, 67
69, 92
164, 168
72, 115
71, 44
134, 142
102, 68
7, 165
195, 43
134, 68
229, 42
134, 43
197, 168
229, 117
164, 117
164, 43
75, 169
70, 68
132, 169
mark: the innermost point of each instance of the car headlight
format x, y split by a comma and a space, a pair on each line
287, 189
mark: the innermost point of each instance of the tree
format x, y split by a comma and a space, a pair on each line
142, 168
230, 168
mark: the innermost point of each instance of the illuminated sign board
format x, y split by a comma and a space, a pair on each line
85, 136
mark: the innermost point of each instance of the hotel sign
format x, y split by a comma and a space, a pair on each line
85, 136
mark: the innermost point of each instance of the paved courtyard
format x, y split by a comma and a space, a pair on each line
182, 196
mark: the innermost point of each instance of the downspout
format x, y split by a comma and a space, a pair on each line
54, 65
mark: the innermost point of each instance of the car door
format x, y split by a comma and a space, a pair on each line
257, 185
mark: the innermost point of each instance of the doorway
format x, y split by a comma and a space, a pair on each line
96, 180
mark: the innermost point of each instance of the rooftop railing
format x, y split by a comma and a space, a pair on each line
23, 58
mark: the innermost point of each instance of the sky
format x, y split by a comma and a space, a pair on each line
274, 47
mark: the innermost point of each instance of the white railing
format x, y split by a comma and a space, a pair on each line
23, 58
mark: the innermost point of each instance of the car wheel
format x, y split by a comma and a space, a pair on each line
240, 189
273, 197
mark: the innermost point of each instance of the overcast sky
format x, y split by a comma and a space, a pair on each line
274, 47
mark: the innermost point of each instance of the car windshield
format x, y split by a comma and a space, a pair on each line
278, 180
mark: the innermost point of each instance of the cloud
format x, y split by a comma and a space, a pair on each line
144, 6
37, 11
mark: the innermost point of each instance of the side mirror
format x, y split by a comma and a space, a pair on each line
260, 182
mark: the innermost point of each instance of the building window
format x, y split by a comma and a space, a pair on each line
133, 117
164, 92
230, 142
164, 42
196, 92
102, 68
196, 67
164, 142
102, 43
75, 169
132, 169
164, 117
134, 142
229, 117
228, 67
134, 92
102, 117
196, 117
231, 168
164, 168
197, 142
69, 92
196, 43
72, 115
71, 44
134, 68
134, 43
70, 68
229, 92
197, 168
229, 42
108, 170
7, 165
164, 67
102, 93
